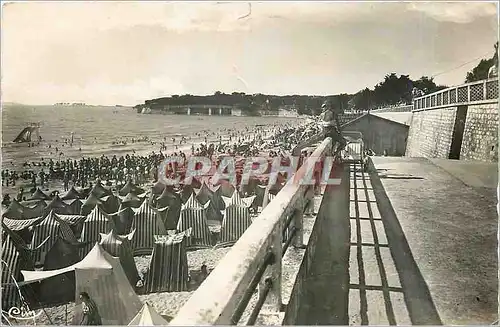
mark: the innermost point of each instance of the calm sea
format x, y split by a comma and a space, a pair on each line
95, 128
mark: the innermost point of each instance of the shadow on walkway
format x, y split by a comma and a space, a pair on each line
368, 275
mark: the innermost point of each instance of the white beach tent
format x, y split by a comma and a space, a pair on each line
148, 316
103, 278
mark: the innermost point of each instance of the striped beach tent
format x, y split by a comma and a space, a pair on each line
39, 195
23, 227
97, 222
72, 194
236, 221
193, 215
15, 256
236, 199
119, 246
75, 222
122, 220
146, 223
90, 203
148, 316
53, 227
168, 269
103, 278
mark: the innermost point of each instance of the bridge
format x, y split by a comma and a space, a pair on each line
215, 110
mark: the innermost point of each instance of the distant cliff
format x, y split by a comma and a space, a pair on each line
249, 104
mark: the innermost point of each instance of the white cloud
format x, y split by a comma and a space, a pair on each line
456, 12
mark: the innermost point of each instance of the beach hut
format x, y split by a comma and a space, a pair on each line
193, 215
97, 222
103, 278
148, 316
119, 246
168, 269
147, 224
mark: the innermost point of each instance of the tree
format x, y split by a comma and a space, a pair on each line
480, 72
427, 85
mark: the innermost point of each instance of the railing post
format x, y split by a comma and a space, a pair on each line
485, 93
273, 300
468, 93
265, 201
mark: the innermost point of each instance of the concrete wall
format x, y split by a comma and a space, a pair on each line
381, 134
480, 140
431, 133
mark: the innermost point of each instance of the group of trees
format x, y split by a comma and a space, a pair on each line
481, 70
393, 90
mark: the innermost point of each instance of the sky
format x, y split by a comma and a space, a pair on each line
127, 52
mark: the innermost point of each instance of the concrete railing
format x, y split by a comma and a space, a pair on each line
255, 260
485, 91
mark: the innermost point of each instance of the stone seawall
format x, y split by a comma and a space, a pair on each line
480, 140
431, 133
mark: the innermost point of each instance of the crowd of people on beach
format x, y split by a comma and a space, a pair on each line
269, 140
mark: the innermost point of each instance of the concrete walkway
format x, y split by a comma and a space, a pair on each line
415, 245
450, 228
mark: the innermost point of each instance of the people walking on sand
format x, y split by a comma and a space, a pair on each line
90, 312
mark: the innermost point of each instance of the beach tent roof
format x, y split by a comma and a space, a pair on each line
39, 195
56, 202
130, 188
236, 199
20, 224
148, 316
14, 211
72, 194
97, 258
99, 191
158, 187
